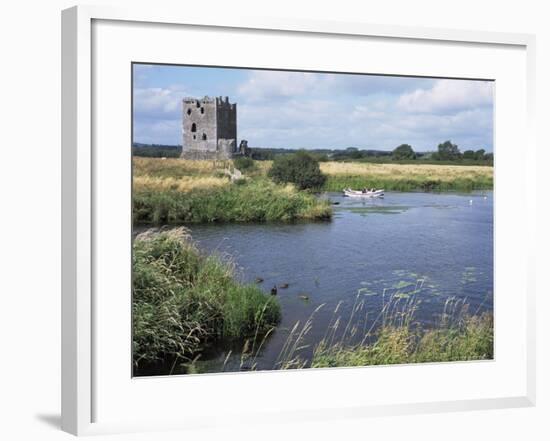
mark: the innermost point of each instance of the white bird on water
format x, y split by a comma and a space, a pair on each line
471, 201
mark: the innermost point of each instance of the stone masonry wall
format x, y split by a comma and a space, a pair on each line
209, 128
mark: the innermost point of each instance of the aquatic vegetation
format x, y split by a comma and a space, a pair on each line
184, 301
393, 337
389, 209
471, 340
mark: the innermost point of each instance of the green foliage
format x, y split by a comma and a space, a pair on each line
410, 183
404, 151
479, 154
300, 168
256, 201
469, 154
244, 163
471, 339
184, 301
448, 151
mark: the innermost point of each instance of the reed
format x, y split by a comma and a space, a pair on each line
256, 201
392, 337
184, 301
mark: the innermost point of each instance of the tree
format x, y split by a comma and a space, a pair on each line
404, 151
448, 151
300, 168
469, 154
480, 154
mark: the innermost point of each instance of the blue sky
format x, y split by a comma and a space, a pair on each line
318, 110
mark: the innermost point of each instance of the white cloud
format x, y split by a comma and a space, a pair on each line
289, 109
448, 96
273, 84
156, 102
282, 85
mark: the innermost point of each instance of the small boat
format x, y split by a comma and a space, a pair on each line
364, 194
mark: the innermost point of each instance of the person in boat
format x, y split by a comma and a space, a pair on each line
364, 190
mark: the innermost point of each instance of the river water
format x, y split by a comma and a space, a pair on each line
433, 246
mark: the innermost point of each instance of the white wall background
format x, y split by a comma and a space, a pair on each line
30, 216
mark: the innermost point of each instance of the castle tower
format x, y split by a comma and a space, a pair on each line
209, 128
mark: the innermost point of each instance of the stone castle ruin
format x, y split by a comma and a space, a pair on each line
210, 129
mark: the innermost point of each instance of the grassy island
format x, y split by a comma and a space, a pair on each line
177, 191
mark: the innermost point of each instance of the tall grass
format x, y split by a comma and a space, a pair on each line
255, 201
184, 301
176, 191
182, 184
393, 337
177, 168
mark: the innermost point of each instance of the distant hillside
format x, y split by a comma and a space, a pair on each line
156, 150
348, 154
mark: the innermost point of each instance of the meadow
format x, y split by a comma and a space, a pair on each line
175, 191
407, 177
402, 176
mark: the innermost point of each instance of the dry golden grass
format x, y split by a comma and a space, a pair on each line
174, 167
156, 174
430, 171
183, 184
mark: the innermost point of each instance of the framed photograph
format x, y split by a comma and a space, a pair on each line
288, 220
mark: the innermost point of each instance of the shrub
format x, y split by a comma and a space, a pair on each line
301, 169
244, 163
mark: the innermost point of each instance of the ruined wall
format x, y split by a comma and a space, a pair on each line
199, 124
209, 128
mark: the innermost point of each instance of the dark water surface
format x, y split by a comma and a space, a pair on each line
441, 242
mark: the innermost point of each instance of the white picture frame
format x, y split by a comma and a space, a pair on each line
85, 176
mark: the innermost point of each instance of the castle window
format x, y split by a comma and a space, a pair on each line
193, 127
194, 136
204, 136
189, 111
202, 109
198, 104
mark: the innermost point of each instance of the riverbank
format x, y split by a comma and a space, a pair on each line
184, 301
471, 339
395, 337
176, 191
